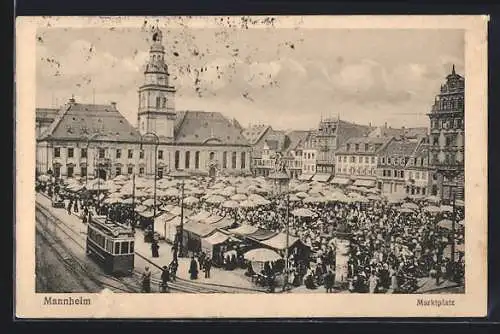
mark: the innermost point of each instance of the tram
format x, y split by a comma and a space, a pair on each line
112, 245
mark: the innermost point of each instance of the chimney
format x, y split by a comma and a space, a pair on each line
113, 105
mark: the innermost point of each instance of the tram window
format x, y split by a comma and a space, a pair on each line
117, 248
124, 247
109, 246
131, 247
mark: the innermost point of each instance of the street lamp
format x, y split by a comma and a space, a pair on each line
180, 175
281, 181
156, 143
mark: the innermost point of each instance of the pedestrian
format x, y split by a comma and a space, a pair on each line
70, 204
146, 280
208, 266
165, 277
373, 282
173, 269
193, 268
328, 281
154, 248
75, 206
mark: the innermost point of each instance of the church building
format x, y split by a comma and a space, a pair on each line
97, 139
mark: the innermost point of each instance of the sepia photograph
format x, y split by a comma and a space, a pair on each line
253, 156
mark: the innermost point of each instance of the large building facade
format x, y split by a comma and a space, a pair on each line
447, 137
96, 140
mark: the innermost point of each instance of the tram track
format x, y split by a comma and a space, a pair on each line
74, 266
179, 285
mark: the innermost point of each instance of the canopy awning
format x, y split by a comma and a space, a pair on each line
364, 183
212, 219
321, 177
305, 177
224, 223
261, 235
279, 241
244, 229
199, 229
340, 180
200, 216
216, 239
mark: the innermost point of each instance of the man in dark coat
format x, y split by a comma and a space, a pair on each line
154, 248
193, 268
165, 277
208, 266
329, 280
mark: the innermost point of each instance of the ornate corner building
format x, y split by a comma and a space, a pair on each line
447, 137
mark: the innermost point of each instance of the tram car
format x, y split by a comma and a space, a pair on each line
112, 245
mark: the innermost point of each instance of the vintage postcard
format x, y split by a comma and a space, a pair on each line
201, 167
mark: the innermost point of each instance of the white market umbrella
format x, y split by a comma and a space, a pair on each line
405, 210
190, 200
445, 223
230, 204
301, 195
303, 212
433, 199
148, 202
446, 208
247, 204
261, 255
172, 192
319, 199
431, 209
239, 197
215, 199
128, 201
140, 208
411, 206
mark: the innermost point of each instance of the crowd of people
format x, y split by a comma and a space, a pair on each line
390, 249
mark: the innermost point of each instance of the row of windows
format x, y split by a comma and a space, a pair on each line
101, 153
353, 159
447, 124
356, 170
308, 155
393, 173
187, 159
309, 168
365, 146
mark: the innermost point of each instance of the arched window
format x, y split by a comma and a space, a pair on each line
212, 156
197, 160
224, 160
164, 105
158, 102
243, 160
187, 159
233, 160
177, 155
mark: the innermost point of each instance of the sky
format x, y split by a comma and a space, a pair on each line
287, 78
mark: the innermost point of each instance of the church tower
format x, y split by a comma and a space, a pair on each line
156, 96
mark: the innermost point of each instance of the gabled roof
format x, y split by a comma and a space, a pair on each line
399, 147
375, 145
384, 131
255, 132
296, 137
199, 127
77, 121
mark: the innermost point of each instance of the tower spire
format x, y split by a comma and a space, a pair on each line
453, 70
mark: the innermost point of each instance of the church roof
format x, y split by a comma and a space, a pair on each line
199, 127
77, 121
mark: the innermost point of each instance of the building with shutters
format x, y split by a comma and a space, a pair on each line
358, 159
447, 136
96, 140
